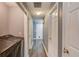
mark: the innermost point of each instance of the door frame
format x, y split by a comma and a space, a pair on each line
60, 16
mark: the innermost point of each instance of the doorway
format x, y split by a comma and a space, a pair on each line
37, 38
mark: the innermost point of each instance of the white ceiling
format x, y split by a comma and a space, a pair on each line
44, 8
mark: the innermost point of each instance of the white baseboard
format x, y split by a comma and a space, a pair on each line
45, 49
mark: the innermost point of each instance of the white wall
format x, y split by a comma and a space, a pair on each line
4, 13
26, 36
16, 21
45, 34
11, 20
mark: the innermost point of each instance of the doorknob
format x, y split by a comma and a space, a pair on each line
66, 51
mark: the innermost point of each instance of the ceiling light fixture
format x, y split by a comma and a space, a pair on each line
38, 13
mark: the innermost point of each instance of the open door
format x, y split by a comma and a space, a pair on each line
53, 32
70, 29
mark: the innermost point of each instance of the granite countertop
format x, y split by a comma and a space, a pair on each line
8, 42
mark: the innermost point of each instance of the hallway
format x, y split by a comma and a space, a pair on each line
38, 50
47, 29
41, 20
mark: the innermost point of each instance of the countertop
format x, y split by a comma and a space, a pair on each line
7, 43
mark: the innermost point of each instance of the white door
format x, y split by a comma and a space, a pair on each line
53, 33
50, 43
26, 36
70, 29
39, 31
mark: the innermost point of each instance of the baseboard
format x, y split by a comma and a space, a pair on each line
45, 49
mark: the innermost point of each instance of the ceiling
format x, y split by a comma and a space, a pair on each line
39, 11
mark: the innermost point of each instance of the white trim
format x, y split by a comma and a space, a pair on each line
26, 36
45, 49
